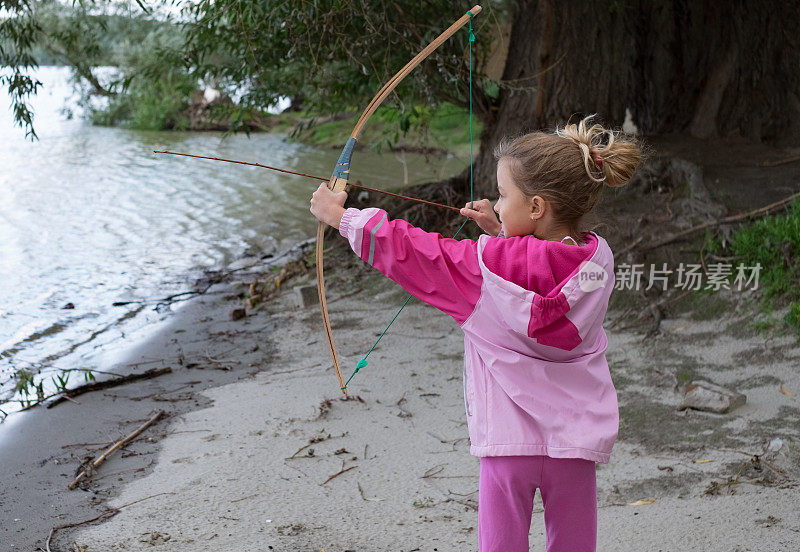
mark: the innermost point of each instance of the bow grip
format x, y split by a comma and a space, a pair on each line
341, 172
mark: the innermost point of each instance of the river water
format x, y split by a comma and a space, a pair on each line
90, 216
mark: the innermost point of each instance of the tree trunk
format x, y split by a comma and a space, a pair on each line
710, 69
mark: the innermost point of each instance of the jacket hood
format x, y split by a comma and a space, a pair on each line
563, 321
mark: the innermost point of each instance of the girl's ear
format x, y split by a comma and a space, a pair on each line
537, 207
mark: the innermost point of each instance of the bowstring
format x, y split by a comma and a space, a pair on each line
363, 362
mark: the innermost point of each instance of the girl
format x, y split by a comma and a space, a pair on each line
541, 407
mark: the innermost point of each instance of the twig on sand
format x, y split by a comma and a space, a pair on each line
93, 465
244, 498
346, 295
404, 412
315, 440
87, 445
337, 474
360, 490
222, 363
757, 457
301, 449
110, 512
105, 384
468, 503
439, 468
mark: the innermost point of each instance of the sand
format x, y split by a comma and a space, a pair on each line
232, 468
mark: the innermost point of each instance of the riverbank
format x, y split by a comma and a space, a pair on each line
43, 449
126, 226
260, 451
249, 399
440, 131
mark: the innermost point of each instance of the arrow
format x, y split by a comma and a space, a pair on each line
418, 200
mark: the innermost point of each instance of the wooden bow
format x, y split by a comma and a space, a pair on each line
341, 172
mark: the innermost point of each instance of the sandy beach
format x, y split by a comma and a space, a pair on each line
259, 451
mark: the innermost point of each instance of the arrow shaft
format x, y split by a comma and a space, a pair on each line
360, 187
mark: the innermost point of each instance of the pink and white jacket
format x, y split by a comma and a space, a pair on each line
536, 380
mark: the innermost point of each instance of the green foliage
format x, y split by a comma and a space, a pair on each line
793, 316
32, 392
149, 104
774, 243
328, 56
445, 127
17, 35
334, 54
150, 88
427, 502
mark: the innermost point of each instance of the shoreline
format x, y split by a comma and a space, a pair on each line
236, 447
190, 341
246, 395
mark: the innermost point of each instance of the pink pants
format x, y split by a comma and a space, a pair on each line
505, 502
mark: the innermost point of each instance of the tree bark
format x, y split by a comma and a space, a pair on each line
709, 69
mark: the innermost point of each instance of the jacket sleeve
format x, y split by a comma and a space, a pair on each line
443, 272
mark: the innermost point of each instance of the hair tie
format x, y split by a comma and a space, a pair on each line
598, 160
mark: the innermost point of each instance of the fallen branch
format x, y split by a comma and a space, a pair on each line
105, 384
725, 220
174, 297
790, 158
91, 467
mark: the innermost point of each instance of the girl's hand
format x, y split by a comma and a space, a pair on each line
328, 206
483, 214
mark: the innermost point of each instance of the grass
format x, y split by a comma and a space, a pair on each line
445, 127
773, 243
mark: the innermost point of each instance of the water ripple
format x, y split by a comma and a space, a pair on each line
90, 216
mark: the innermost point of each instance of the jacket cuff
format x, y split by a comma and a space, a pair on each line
347, 219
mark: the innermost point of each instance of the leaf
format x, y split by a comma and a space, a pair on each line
705, 460
642, 502
786, 391
145, 9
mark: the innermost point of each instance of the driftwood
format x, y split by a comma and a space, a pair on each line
725, 220
791, 157
91, 467
105, 384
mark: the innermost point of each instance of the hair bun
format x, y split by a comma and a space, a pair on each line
608, 156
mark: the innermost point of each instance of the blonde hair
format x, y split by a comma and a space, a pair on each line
569, 166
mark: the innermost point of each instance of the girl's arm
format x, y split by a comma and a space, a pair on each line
443, 272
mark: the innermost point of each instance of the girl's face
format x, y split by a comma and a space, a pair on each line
516, 212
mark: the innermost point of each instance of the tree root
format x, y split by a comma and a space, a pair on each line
105, 384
